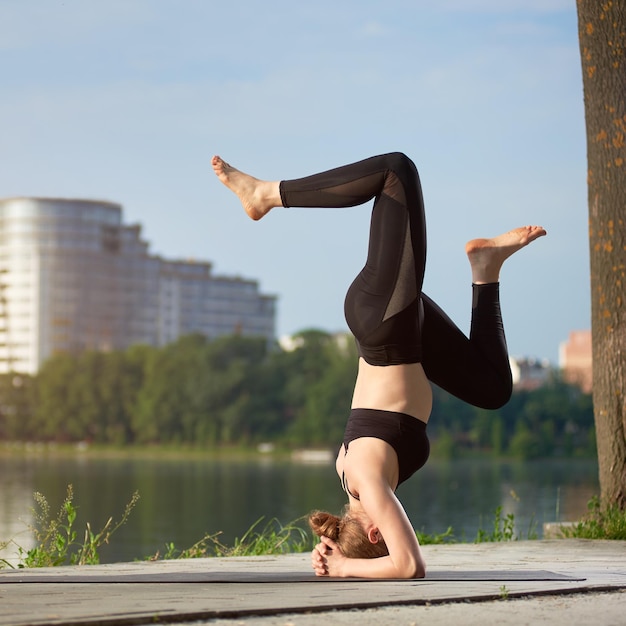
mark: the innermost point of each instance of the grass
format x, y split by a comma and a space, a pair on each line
58, 543
56, 537
599, 523
503, 529
273, 538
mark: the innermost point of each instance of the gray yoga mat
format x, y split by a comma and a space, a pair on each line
275, 577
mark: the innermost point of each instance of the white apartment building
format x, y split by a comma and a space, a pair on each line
73, 277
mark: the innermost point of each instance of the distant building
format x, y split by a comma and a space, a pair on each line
73, 277
529, 374
343, 340
575, 359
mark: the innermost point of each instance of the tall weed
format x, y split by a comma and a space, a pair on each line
271, 539
56, 537
600, 523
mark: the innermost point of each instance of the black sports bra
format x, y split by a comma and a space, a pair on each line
404, 433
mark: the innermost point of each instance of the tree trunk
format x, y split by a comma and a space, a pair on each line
602, 37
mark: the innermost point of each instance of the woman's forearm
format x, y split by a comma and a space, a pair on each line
382, 567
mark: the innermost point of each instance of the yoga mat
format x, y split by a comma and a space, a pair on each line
276, 577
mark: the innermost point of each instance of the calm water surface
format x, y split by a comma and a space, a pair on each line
184, 499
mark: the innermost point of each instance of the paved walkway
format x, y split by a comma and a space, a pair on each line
565, 580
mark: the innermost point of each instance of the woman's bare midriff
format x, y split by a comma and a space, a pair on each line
399, 388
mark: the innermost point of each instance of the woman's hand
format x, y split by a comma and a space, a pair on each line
327, 558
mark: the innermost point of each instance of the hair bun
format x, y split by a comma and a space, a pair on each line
324, 523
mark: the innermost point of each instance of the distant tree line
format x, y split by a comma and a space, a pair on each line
240, 391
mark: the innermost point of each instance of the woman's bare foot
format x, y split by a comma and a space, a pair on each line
486, 256
258, 197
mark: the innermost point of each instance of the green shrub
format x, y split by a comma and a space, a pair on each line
607, 522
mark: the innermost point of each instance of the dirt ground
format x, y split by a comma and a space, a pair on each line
580, 609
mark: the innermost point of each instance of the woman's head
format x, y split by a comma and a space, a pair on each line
349, 533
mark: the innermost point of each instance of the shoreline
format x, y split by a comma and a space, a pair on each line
263, 450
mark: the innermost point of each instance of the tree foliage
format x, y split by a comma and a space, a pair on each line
240, 391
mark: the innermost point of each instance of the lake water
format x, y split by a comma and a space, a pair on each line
182, 499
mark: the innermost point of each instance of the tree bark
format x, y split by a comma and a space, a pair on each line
602, 37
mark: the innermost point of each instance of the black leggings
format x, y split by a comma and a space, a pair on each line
391, 319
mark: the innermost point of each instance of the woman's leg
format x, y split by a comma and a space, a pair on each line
382, 304
475, 369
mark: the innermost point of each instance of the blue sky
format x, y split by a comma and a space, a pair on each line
126, 100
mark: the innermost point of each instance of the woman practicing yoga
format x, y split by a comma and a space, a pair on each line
404, 341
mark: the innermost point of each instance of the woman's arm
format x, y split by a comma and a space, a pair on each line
405, 559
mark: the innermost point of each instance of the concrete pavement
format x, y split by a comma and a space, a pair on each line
523, 582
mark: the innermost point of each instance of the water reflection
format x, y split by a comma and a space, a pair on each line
184, 499
15, 514
464, 494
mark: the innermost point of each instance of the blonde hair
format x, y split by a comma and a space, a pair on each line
347, 531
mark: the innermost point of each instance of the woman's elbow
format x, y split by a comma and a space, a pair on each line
413, 568
419, 571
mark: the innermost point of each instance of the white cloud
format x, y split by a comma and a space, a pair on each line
373, 29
